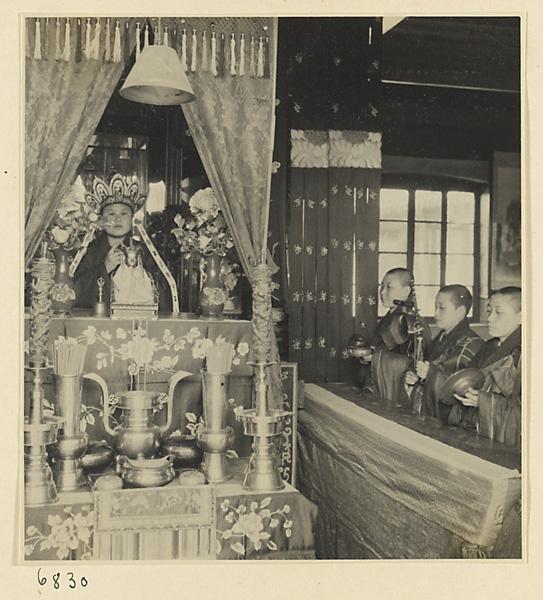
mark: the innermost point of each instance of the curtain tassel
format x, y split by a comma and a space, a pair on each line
67, 48
204, 52
194, 51
184, 50
260, 71
214, 54
37, 47
232, 54
88, 49
57, 41
117, 44
146, 36
166, 41
138, 41
253, 61
267, 74
95, 44
107, 57
242, 56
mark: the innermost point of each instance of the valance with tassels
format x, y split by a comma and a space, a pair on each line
222, 46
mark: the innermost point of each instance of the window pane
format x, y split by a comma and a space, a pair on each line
459, 239
459, 270
393, 204
460, 207
427, 237
427, 205
426, 299
427, 269
392, 236
390, 261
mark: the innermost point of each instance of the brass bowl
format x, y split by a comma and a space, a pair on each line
147, 472
183, 449
97, 457
460, 382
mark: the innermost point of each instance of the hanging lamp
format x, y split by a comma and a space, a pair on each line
157, 77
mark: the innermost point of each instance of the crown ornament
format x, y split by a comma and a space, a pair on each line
119, 191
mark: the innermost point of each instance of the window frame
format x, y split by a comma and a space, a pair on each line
443, 185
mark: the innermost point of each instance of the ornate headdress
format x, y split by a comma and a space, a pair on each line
117, 192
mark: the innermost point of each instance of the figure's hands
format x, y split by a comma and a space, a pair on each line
422, 368
113, 258
411, 378
470, 399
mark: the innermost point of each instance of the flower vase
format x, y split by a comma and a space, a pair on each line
212, 295
62, 292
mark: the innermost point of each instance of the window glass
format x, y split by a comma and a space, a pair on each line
461, 207
393, 204
459, 269
459, 239
426, 299
427, 269
427, 237
390, 261
392, 236
427, 205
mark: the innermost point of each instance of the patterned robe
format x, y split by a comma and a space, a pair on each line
447, 354
498, 416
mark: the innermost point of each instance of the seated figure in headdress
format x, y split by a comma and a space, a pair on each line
452, 349
114, 256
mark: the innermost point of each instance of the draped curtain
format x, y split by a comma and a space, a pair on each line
231, 122
66, 92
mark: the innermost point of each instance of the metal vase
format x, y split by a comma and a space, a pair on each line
71, 442
215, 438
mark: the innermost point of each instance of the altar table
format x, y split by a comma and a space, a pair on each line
240, 525
166, 346
390, 484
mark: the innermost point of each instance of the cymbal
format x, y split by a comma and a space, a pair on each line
460, 382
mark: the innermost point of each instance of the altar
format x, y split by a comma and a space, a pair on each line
164, 347
201, 522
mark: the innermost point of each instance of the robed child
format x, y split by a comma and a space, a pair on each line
452, 349
494, 411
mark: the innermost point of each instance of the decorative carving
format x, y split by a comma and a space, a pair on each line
41, 309
262, 317
358, 149
309, 149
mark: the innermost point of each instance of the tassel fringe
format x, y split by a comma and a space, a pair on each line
107, 56
37, 47
232, 54
214, 54
57, 41
166, 41
88, 50
260, 71
242, 56
146, 36
204, 52
252, 61
194, 51
95, 44
67, 48
184, 50
138, 41
117, 44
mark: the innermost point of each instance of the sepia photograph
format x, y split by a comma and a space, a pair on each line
273, 288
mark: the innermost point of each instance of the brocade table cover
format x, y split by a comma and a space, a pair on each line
243, 525
387, 489
164, 346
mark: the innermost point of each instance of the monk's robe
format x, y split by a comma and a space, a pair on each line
447, 354
498, 416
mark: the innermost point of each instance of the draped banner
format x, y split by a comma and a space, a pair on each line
332, 247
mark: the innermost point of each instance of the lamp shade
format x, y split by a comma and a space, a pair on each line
157, 78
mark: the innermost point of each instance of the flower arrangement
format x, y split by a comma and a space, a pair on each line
205, 230
72, 221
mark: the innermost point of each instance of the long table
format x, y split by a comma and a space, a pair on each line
389, 484
212, 521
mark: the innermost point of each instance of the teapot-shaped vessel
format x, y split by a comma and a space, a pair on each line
138, 436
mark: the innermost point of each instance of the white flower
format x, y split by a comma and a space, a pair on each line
243, 348
60, 235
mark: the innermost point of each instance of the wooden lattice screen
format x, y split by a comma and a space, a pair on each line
332, 248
